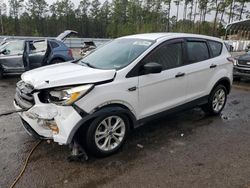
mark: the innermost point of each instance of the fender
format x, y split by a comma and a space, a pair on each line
101, 112
218, 78
224, 79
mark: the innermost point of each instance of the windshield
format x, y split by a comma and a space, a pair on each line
116, 54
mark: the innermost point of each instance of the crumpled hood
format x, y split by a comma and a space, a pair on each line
65, 74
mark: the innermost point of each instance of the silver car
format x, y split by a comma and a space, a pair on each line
20, 55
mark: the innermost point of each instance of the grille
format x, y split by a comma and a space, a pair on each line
244, 71
23, 96
244, 63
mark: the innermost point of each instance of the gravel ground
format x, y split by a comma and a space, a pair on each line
185, 150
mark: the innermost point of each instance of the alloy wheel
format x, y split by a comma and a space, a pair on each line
110, 133
219, 100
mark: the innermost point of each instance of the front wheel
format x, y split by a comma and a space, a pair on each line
107, 134
216, 101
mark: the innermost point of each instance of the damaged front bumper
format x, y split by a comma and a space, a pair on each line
49, 121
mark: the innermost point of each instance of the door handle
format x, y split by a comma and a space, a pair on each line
180, 74
132, 88
213, 66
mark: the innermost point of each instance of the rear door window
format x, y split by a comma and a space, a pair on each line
38, 46
215, 47
197, 51
54, 44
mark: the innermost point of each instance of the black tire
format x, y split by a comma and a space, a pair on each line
55, 61
1, 74
90, 142
208, 108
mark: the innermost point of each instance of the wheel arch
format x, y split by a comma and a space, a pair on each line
83, 124
57, 58
225, 82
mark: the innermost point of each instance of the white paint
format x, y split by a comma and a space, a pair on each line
155, 92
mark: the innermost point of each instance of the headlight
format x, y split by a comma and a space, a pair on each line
69, 96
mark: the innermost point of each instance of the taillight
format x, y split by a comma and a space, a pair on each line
70, 53
232, 60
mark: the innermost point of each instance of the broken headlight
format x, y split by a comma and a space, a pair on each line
69, 96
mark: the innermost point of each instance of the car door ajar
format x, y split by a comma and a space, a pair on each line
11, 58
165, 90
37, 53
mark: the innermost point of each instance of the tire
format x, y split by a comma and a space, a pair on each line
107, 142
1, 74
55, 61
216, 100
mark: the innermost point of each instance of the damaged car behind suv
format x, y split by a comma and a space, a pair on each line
18, 56
122, 85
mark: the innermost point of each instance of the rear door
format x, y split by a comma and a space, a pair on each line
200, 68
37, 51
165, 90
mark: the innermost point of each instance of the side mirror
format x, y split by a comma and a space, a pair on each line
152, 68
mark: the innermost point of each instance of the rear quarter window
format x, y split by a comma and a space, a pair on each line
54, 44
216, 48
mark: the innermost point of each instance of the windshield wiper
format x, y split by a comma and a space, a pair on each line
76, 60
88, 64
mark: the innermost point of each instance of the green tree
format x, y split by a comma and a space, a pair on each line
15, 7
64, 14
95, 15
83, 9
37, 10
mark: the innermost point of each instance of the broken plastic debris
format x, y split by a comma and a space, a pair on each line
140, 146
182, 135
65, 181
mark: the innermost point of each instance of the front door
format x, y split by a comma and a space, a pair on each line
11, 58
165, 90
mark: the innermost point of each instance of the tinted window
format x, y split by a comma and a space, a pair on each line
197, 51
168, 55
38, 46
215, 48
54, 44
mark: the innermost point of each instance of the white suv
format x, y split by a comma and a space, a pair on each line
121, 85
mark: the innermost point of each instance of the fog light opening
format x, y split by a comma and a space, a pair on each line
54, 128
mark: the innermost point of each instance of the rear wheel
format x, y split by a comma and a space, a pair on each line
216, 101
55, 61
1, 73
107, 134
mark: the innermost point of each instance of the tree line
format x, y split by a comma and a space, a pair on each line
91, 18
